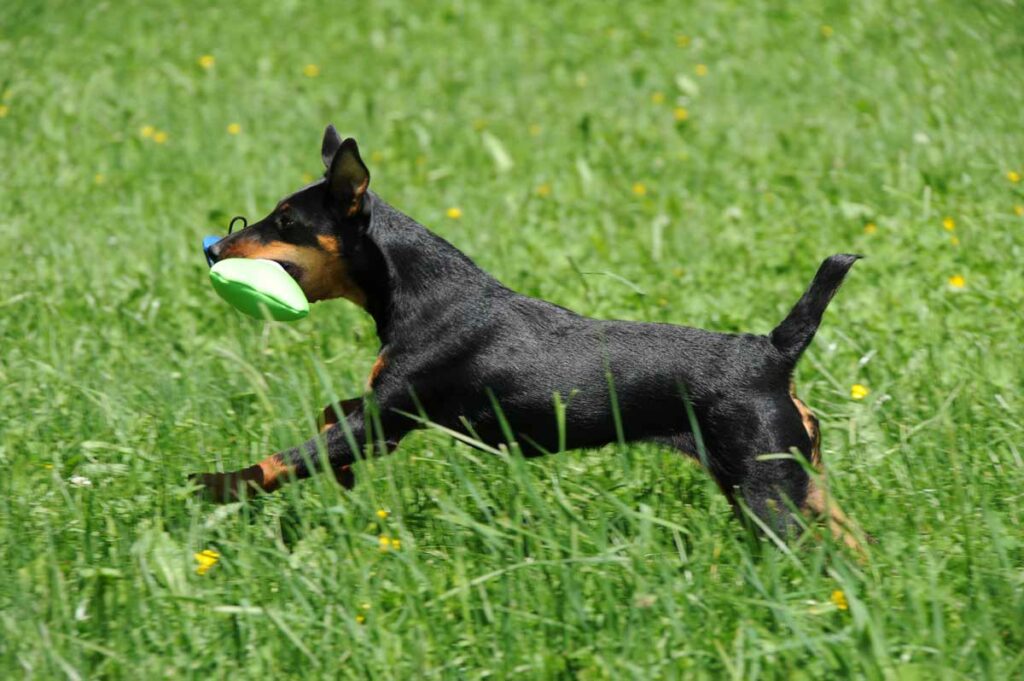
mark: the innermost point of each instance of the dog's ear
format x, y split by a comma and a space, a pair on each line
329, 147
347, 177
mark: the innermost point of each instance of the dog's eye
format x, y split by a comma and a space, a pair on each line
285, 220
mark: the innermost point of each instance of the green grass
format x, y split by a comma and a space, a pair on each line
120, 365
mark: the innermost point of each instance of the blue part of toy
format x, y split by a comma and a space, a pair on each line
208, 242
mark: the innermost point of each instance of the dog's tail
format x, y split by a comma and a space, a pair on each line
794, 334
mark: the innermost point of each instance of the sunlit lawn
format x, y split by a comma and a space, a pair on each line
688, 164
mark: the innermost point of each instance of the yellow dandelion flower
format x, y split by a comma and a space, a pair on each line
396, 544
838, 599
206, 61
949, 224
957, 281
364, 606
534, 129
99, 178
159, 136
544, 190
682, 40
307, 178
657, 98
234, 128
206, 559
382, 514
701, 70
954, 240
870, 228
454, 213
147, 131
826, 31
311, 70
360, 619
640, 189
859, 392
680, 114
383, 542
1018, 210
4, 110
1013, 176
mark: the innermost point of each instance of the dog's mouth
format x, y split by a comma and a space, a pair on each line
293, 270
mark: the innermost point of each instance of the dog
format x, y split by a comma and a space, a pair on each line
462, 350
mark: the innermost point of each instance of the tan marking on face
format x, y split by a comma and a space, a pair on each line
375, 370
324, 274
273, 472
329, 244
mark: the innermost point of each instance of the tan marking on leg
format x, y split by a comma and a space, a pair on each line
378, 366
344, 476
810, 425
273, 472
329, 417
821, 503
818, 501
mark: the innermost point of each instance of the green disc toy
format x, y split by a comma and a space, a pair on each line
259, 288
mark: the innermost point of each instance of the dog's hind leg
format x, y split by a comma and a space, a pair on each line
763, 486
748, 447
819, 502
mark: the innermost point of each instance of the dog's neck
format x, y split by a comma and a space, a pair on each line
421, 277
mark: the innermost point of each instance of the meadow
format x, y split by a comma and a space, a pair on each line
680, 162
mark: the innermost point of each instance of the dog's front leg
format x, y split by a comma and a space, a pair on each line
329, 417
302, 461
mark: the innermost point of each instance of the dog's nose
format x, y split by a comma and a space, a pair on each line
211, 249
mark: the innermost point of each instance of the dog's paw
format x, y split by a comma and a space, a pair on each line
345, 477
222, 488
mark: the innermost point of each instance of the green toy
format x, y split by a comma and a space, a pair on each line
259, 288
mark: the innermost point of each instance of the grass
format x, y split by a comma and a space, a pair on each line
553, 128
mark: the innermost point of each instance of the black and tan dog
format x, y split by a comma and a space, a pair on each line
460, 348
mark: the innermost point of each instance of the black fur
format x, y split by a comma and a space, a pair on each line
455, 341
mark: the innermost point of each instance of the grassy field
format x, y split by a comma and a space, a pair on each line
690, 164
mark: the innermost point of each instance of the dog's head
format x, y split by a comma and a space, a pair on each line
316, 234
